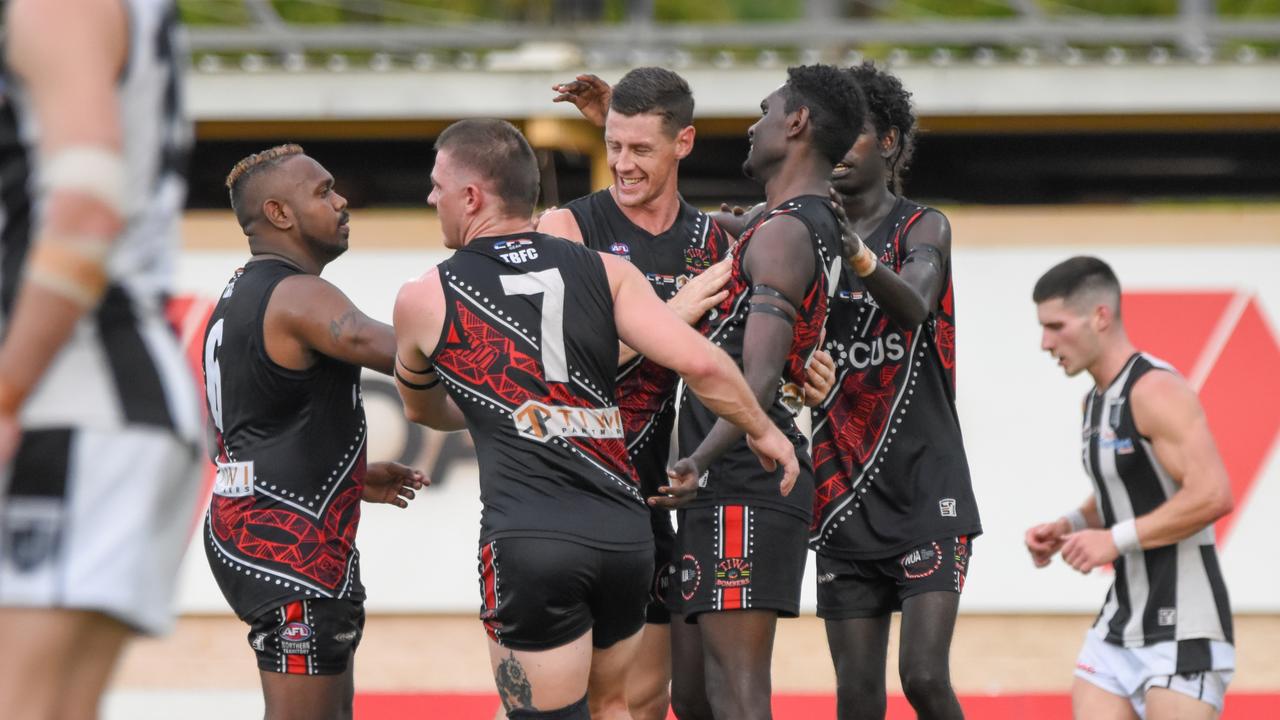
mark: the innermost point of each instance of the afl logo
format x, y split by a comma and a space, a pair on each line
622, 249
295, 632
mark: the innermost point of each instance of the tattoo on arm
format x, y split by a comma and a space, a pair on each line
338, 325
513, 685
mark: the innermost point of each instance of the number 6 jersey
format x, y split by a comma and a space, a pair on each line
529, 352
290, 450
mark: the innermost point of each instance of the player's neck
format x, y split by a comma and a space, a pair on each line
868, 207
1112, 361
497, 226
300, 260
800, 173
655, 216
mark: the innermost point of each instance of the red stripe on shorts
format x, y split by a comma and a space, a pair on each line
294, 664
489, 582
733, 546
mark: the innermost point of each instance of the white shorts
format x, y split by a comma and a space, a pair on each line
1130, 672
98, 520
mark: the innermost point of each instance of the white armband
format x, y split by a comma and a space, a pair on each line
1125, 536
93, 170
1076, 519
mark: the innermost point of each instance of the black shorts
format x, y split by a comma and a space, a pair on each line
313, 636
740, 557
872, 588
665, 562
541, 593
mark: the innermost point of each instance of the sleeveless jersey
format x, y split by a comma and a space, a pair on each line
290, 450
737, 476
529, 352
122, 366
891, 466
1175, 592
646, 390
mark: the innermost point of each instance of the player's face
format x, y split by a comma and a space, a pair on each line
767, 137
321, 212
1068, 335
448, 196
863, 166
643, 157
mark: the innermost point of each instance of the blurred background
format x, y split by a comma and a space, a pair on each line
1144, 131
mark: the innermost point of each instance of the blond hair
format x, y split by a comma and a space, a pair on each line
250, 166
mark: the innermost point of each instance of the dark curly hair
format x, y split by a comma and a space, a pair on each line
837, 107
889, 106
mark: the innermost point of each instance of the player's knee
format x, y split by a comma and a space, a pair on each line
577, 711
925, 684
652, 704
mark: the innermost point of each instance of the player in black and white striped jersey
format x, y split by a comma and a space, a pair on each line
1162, 645
99, 418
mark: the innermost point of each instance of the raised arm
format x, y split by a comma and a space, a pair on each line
909, 296
647, 324
589, 94
419, 319
69, 56
307, 314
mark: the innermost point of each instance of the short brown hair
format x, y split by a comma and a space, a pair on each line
497, 151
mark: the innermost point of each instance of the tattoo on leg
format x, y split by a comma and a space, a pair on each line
513, 685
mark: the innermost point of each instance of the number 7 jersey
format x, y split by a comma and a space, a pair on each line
529, 352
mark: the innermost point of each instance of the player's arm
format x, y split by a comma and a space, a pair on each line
906, 297
319, 318
780, 263
1168, 413
646, 323
589, 94
419, 319
69, 56
560, 223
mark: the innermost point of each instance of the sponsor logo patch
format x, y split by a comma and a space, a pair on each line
346, 637
295, 639
947, 507
921, 562
511, 244
1166, 616
621, 249
690, 576
234, 479
541, 422
259, 642
733, 572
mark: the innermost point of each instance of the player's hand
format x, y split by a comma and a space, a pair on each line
774, 449
10, 437
1045, 540
1088, 549
538, 218
733, 219
819, 377
589, 94
851, 240
701, 293
392, 483
684, 476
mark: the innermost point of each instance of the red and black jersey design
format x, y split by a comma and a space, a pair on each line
889, 458
737, 477
290, 450
646, 390
529, 352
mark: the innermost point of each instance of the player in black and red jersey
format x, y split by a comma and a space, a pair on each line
743, 547
641, 218
282, 358
894, 511
522, 329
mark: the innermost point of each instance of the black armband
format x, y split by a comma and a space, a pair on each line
770, 309
763, 289
928, 249
413, 385
431, 369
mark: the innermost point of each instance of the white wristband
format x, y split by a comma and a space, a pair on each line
1075, 518
1125, 536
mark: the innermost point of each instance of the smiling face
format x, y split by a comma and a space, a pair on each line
643, 157
1070, 332
865, 165
321, 213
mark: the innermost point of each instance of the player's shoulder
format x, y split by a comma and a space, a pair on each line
1161, 395
562, 223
